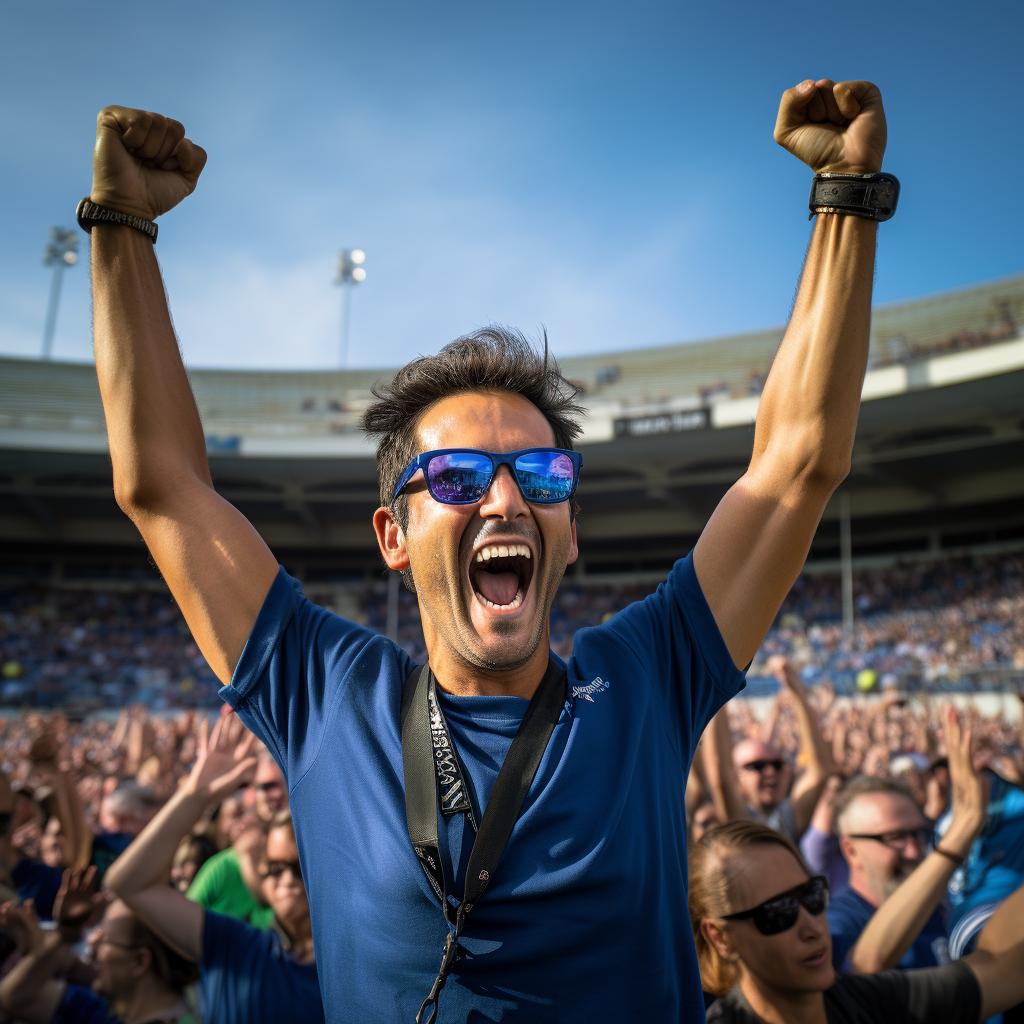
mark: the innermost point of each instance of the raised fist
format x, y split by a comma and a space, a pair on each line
142, 164
833, 127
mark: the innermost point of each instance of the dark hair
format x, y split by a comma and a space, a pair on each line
709, 889
492, 359
864, 785
169, 966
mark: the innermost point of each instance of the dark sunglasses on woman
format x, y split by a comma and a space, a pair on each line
780, 913
462, 476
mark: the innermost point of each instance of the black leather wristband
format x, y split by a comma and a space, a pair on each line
88, 214
873, 196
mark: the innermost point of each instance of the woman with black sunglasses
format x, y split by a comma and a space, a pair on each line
763, 946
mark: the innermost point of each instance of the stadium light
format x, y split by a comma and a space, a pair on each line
61, 253
350, 273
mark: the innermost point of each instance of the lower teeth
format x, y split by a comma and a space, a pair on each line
514, 603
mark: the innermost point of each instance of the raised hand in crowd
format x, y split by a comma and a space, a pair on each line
139, 876
899, 920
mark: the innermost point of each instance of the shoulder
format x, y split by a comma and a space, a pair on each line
226, 937
846, 905
82, 1006
732, 1008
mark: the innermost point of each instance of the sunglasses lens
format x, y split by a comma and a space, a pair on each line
545, 476
815, 899
459, 478
777, 916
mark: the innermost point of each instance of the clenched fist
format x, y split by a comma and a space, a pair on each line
142, 164
834, 127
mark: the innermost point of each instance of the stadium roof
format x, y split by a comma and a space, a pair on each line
940, 445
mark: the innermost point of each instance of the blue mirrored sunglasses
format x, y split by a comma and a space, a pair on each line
461, 476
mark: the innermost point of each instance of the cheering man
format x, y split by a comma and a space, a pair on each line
547, 859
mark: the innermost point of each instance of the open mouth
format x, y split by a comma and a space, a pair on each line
501, 575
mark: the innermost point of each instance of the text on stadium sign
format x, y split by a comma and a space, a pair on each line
668, 423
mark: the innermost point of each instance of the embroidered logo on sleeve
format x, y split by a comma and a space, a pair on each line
587, 692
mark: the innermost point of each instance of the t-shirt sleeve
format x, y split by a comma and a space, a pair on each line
678, 645
292, 671
949, 993
226, 941
82, 1006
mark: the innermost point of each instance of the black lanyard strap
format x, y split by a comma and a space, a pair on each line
430, 764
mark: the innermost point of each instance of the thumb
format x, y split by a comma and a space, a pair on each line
793, 107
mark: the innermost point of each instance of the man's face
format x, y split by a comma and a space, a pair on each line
763, 774
271, 792
877, 866
492, 614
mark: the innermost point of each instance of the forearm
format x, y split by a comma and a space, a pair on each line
807, 415
147, 861
718, 770
998, 959
153, 426
812, 739
29, 992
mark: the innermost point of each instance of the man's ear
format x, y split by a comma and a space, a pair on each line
390, 540
718, 938
574, 549
848, 850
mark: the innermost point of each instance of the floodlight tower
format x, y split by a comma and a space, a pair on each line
61, 253
350, 273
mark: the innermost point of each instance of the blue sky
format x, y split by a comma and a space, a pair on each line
606, 170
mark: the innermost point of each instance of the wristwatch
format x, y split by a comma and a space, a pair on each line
873, 196
88, 214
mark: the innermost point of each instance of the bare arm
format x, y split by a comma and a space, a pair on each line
755, 544
29, 992
998, 960
215, 563
718, 770
898, 921
139, 876
820, 766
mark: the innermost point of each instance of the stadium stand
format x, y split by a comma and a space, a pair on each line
934, 505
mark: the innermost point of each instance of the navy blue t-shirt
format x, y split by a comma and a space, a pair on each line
246, 977
38, 881
848, 915
586, 918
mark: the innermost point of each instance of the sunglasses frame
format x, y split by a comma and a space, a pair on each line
798, 893
498, 459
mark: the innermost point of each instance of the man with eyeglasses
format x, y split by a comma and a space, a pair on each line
892, 913
498, 834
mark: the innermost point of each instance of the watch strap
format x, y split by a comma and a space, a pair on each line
88, 214
873, 196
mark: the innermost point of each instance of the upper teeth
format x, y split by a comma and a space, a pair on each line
502, 551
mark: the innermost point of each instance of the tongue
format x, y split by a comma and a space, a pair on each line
498, 587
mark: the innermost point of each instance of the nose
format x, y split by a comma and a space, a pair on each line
503, 499
912, 849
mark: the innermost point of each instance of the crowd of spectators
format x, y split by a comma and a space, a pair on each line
947, 624
211, 922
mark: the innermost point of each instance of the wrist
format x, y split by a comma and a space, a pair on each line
121, 205
960, 837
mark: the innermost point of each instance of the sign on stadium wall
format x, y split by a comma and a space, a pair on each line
667, 423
